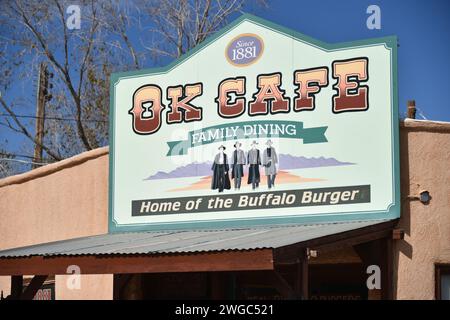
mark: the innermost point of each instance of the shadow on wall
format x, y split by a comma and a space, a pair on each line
405, 189
402, 246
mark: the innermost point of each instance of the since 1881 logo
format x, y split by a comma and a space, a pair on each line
244, 49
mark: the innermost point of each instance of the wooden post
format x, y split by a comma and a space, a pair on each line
305, 275
386, 270
215, 286
16, 287
119, 282
411, 109
117, 286
302, 283
378, 252
133, 288
232, 288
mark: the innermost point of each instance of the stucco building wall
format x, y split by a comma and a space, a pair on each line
425, 165
60, 201
69, 199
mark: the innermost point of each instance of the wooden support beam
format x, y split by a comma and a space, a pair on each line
302, 275
289, 254
133, 290
271, 279
387, 266
231, 288
398, 234
119, 282
283, 286
34, 285
360, 235
216, 286
305, 277
16, 287
260, 259
379, 253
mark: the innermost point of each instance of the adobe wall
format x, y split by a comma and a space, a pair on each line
425, 165
69, 199
64, 200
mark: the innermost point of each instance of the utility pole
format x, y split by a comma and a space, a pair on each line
42, 97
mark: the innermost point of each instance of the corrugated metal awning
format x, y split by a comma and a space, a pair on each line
188, 241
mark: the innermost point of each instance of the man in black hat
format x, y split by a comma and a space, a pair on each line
220, 178
270, 162
254, 161
237, 166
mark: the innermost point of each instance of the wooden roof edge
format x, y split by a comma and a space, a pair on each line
257, 259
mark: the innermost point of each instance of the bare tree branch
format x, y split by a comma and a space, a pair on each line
66, 41
114, 36
24, 130
65, 75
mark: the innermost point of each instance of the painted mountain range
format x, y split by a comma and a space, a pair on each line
286, 161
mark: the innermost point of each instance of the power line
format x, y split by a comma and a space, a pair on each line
421, 113
23, 161
15, 155
50, 118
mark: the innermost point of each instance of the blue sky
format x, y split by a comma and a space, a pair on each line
422, 27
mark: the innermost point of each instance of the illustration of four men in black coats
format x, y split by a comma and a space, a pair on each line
221, 166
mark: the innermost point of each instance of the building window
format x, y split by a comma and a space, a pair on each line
443, 282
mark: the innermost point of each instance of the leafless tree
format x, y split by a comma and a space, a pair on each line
38, 31
114, 36
180, 25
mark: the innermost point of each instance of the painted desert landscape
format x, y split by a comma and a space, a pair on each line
287, 162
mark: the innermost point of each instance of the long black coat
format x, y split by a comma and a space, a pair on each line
237, 169
253, 169
220, 170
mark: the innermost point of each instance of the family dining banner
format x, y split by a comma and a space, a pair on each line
247, 130
258, 125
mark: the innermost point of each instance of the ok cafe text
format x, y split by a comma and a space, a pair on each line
348, 77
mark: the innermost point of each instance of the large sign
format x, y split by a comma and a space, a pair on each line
257, 125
